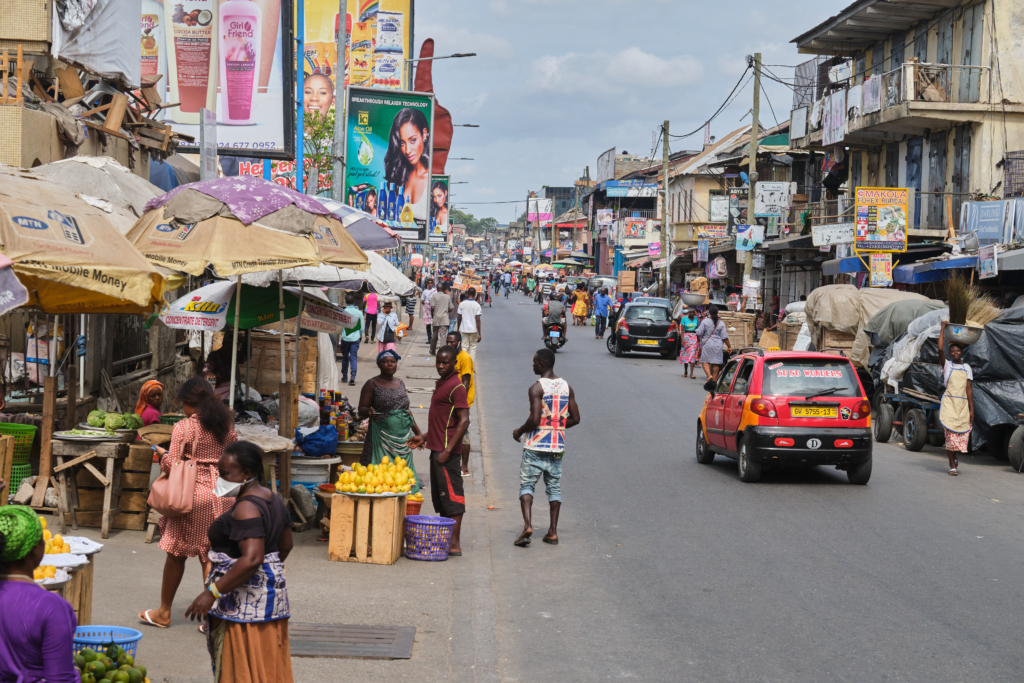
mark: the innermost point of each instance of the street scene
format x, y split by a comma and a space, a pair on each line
326, 358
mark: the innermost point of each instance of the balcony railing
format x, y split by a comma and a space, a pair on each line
922, 82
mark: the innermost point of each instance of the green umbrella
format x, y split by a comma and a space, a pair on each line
261, 306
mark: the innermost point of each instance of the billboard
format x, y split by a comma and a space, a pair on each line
881, 218
229, 57
440, 186
606, 166
378, 40
388, 157
630, 188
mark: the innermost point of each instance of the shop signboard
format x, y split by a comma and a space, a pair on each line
718, 209
630, 188
988, 263
738, 208
604, 218
881, 269
229, 58
993, 222
384, 128
702, 250
658, 264
438, 224
634, 228
827, 235
712, 232
881, 218
654, 249
605, 166
539, 210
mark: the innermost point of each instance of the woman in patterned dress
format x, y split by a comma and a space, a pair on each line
204, 433
385, 402
711, 334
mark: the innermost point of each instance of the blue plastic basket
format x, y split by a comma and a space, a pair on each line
428, 538
100, 637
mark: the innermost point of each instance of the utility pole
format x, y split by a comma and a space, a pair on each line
663, 280
755, 130
338, 158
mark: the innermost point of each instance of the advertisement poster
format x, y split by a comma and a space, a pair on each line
228, 57
604, 218
712, 232
827, 235
881, 218
737, 208
702, 251
881, 270
634, 227
630, 188
718, 209
654, 249
388, 155
438, 223
744, 238
378, 40
540, 210
988, 264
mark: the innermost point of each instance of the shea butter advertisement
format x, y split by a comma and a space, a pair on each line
388, 158
378, 38
225, 56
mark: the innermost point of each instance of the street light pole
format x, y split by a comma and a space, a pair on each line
748, 264
663, 284
338, 158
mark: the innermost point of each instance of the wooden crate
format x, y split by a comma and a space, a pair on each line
265, 364
830, 339
743, 335
787, 335
128, 500
366, 529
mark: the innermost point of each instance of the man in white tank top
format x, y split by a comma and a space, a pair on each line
553, 409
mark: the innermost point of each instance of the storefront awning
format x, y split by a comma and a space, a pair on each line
637, 262
792, 242
1012, 260
918, 273
839, 266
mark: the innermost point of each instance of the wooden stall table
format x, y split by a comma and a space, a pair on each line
81, 455
366, 529
78, 591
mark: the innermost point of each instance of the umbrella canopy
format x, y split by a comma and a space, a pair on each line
212, 307
104, 178
68, 254
416, 260
364, 230
382, 277
12, 292
242, 225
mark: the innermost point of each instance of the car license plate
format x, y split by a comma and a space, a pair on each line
647, 342
805, 411
554, 333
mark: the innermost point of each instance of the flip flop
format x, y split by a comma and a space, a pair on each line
202, 628
552, 541
522, 541
952, 473
146, 620
454, 553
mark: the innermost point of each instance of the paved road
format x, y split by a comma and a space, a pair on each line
673, 571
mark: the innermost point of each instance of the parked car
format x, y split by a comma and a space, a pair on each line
599, 281
645, 327
616, 308
787, 407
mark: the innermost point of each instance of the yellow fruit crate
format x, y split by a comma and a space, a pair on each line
365, 529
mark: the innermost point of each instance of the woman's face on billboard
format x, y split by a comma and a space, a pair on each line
439, 197
412, 143
318, 94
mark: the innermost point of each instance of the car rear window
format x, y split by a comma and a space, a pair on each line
806, 376
646, 312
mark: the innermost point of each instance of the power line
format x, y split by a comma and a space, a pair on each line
765, 91
719, 111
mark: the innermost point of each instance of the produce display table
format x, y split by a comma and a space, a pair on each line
365, 529
78, 458
78, 591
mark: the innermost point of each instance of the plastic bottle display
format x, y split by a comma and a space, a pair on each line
240, 34
392, 205
153, 52
191, 28
382, 202
401, 205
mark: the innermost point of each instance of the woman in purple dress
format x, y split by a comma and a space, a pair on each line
36, 626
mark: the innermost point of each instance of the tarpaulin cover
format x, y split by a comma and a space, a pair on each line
844, 308
887, 324
382, 277
998, 367
102, 43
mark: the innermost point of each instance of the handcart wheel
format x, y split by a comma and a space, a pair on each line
915, 430
1016, 449
883, 423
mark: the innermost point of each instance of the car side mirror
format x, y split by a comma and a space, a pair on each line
710, 386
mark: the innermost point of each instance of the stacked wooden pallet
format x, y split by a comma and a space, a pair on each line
740, 327
128, 497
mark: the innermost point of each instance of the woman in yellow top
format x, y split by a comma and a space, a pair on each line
579, 309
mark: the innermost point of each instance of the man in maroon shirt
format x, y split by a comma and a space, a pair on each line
447, 424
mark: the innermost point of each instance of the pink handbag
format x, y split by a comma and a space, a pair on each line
172, 493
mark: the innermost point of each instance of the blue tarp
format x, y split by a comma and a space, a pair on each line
838, 266
917, 273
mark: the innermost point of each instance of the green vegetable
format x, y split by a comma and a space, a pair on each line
95, 418
132, 421
113, 421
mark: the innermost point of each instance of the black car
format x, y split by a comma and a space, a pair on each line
647, 327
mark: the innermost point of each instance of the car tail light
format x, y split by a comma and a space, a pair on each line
844, 443
623, 327
763, 407
784, 442
862, 410
673, 328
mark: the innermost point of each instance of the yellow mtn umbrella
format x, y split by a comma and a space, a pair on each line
242, 225
68, 254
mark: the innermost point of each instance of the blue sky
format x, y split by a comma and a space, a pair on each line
557, 82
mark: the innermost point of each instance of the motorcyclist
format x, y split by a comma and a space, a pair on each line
553, 313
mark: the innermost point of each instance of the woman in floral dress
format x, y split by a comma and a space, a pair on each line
204, 433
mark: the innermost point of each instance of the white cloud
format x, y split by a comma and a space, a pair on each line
598, 72
448, 39
500, 7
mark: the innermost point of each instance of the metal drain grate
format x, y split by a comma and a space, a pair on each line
351, 642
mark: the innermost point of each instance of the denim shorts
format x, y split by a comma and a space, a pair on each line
536, 463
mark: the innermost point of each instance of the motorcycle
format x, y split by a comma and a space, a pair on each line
554, 335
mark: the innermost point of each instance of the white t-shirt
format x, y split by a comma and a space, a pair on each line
469, 310
948, 368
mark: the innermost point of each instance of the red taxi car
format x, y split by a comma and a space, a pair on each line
781, 407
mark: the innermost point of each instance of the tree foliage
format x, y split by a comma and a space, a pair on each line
318, 141
474, 225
